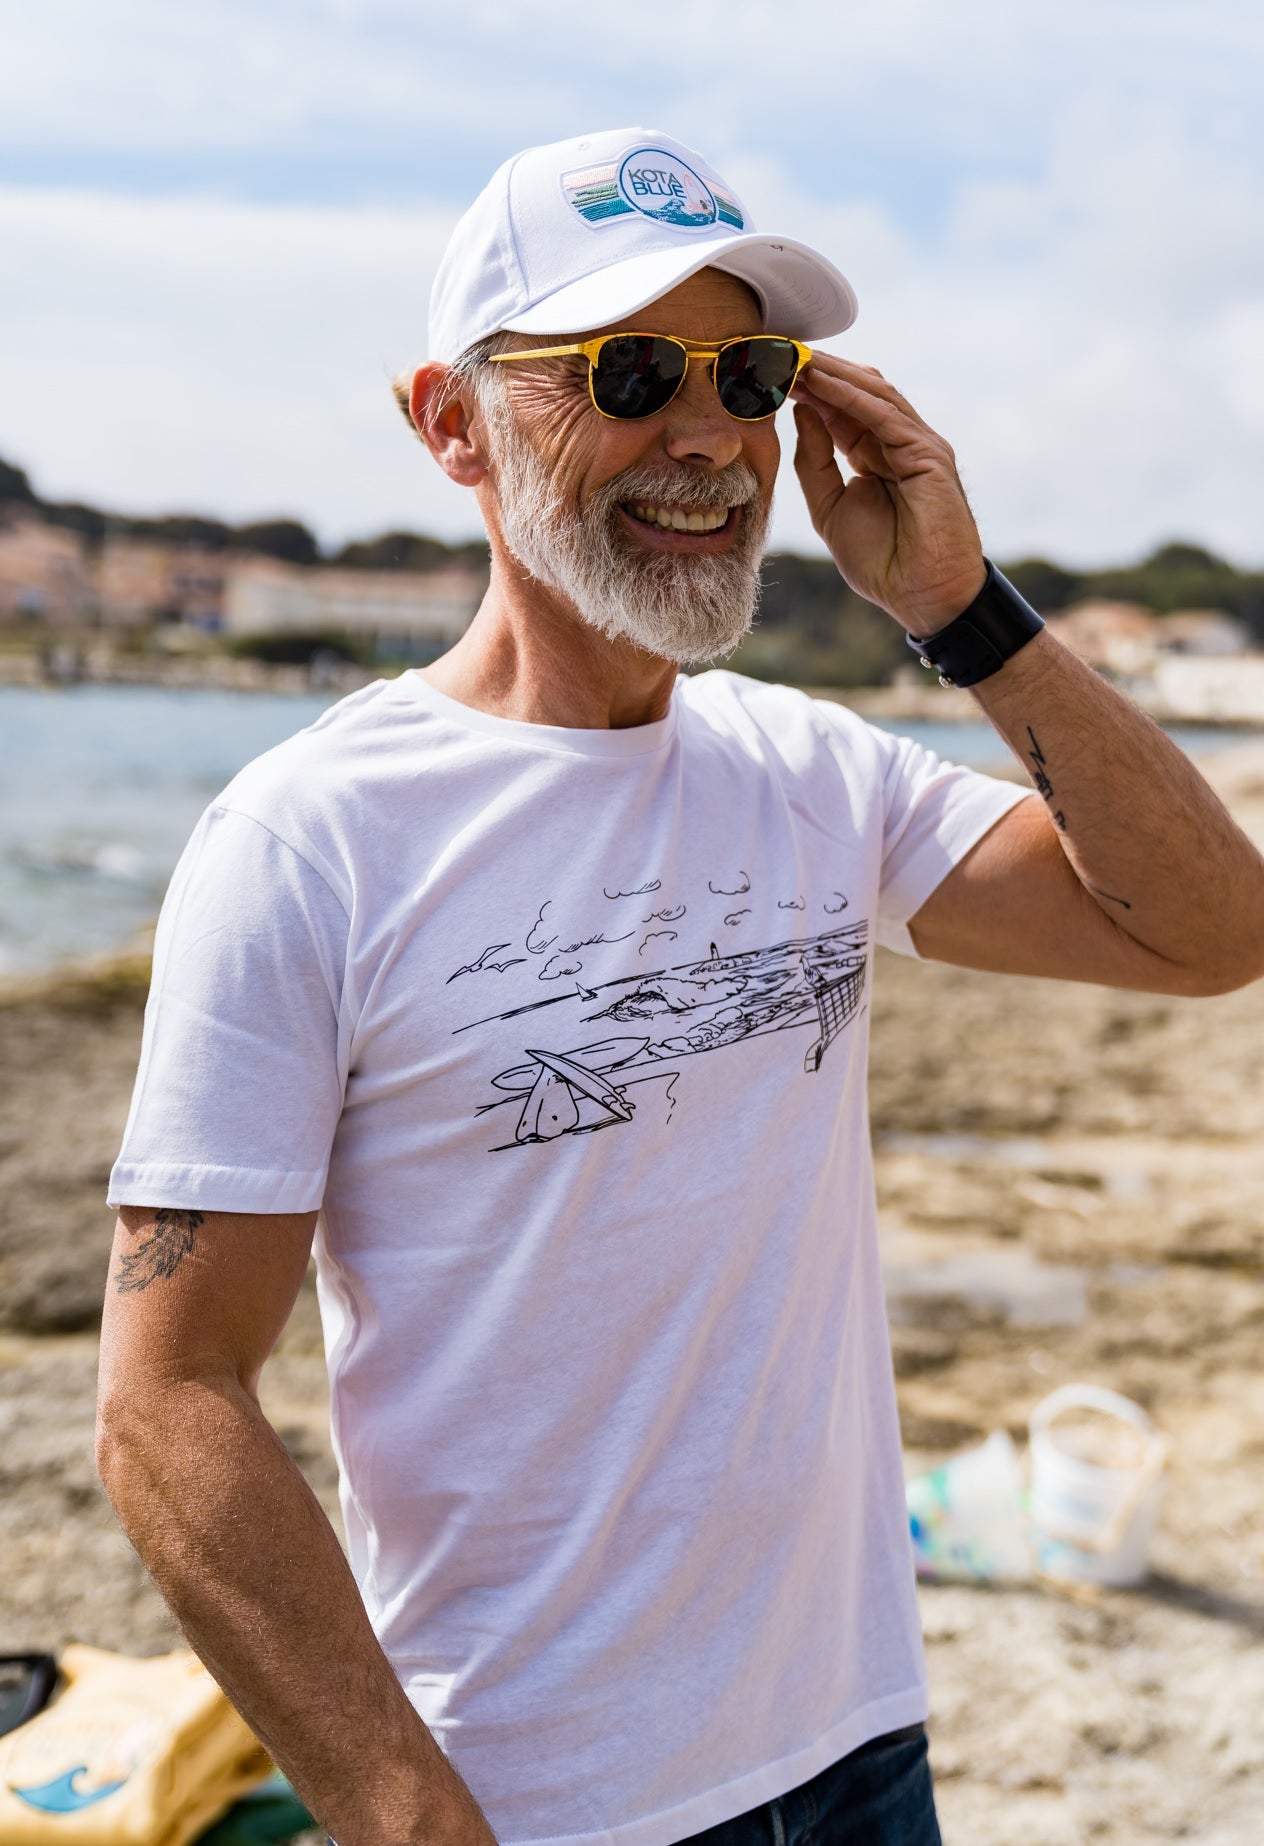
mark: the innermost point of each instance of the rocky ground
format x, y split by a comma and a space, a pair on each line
1072, 1187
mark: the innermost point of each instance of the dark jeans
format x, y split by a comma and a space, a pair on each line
878, 1795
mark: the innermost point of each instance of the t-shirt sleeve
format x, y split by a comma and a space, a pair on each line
934, 812
243, 1060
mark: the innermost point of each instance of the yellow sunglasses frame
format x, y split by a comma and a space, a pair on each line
692, 349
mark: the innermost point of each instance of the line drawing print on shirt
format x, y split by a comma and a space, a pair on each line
641, 890
555, 967
658, 935
480, 964
538, 948
739, 890
566, 1088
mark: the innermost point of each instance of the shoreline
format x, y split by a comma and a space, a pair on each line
97, 664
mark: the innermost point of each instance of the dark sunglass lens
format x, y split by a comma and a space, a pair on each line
753, 377
636, 375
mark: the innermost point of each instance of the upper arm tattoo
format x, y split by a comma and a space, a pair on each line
161, 1253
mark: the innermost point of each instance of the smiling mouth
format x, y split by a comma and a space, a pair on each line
694, 519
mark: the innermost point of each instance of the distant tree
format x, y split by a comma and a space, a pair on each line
474, 554
395, 551
14, 485
1177, 576
410, 551
75, 517
295, 649
278, 538
183, 529
1180, 555
813, 630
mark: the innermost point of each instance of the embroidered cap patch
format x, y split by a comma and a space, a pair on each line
655, 184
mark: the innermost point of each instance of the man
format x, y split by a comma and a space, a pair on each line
544, 974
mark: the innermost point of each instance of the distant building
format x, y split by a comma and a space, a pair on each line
1196, 664
1117, 638
1224, 691
1126, 640
141, 582
388, 609
1209, 632
44, 572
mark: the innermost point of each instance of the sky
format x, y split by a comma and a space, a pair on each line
219, 224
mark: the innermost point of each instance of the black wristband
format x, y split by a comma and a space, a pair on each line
983, 637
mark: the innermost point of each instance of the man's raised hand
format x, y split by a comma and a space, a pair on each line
901, 532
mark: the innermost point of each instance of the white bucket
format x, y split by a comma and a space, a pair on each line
1092, 1519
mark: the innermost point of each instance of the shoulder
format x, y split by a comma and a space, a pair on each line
342, 740
314, 791
792, 723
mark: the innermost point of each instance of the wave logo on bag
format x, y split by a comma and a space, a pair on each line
60, 1796
113, 1757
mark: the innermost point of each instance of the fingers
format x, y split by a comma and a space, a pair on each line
876, 428
860, 447
845, 431
868, 377
863, 403
814, 463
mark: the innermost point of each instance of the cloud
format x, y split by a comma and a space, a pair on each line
232, 358
1050, 215
1080, 340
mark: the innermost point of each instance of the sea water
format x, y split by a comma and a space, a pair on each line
100, 787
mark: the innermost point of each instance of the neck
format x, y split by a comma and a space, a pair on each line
529, 655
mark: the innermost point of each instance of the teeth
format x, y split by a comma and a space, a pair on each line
677, 519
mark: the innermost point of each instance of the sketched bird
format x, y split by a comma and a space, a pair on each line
481, 964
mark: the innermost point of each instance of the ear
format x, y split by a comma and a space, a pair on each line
444, 423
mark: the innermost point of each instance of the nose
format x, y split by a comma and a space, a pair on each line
699, 429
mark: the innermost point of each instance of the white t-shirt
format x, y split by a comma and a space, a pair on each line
565, 1032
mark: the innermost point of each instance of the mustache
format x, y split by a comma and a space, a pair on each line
684, 485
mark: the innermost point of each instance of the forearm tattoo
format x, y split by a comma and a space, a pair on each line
161, 1253
1044, 787
1040, 776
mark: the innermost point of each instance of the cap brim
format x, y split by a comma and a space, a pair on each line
801, 294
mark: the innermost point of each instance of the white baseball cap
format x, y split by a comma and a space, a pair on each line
575, 235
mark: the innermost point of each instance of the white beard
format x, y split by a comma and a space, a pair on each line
684, 609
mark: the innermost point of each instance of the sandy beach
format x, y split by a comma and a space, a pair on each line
1071, 1184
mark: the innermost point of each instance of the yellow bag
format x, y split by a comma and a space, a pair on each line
131, 1753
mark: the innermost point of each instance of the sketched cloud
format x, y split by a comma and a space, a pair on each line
657, 935
536, 942
559, 965
654, 884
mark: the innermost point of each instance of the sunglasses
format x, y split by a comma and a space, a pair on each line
638, 374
